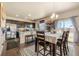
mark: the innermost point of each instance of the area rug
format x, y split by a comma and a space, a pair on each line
30, 51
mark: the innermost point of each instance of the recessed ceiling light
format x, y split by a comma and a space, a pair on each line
17, 15
29, 15
26, 17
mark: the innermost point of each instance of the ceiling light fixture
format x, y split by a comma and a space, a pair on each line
29, 15
26, 17
57, 16
54, 16
17, 15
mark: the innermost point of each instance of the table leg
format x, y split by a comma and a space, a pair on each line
35, 45
53, 50
32, 37
25, 40
50, 50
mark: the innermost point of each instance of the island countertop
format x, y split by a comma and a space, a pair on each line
24, 33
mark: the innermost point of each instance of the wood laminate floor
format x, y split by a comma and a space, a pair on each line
15, 52
12, 52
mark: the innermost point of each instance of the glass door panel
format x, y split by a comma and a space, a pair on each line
67, 24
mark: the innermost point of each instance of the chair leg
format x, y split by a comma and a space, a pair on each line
36, 45
64, 52
44, 49
37, 49
18, 46
67, 49
50, 50
60, 51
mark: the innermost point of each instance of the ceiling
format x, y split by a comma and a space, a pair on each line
36, 10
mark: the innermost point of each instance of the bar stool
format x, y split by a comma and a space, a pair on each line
63, 43
41, 42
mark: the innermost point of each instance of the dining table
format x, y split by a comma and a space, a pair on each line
52, 39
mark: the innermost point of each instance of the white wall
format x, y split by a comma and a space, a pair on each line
70, 13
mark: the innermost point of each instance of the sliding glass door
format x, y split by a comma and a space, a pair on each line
67, 24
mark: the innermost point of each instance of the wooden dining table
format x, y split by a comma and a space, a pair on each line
52, 39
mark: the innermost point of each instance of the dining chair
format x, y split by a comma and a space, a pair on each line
59, 44
63, 43
41, 42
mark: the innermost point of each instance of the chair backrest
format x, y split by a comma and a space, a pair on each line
41, 35
65, 37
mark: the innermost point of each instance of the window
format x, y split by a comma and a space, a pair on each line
42, 26
66, 23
